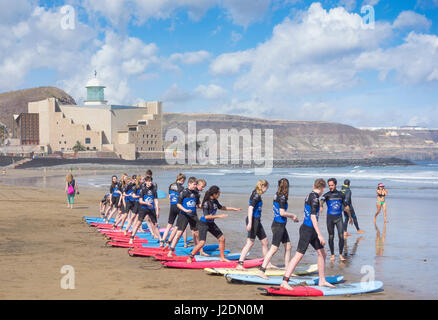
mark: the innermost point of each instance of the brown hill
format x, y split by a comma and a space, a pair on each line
303, 139
16, 102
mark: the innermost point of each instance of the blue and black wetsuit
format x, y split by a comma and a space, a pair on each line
335, 206
130, 203
115, 194
174, 190
257, 230
279, 231
347, 192
189, 199
209, 208
148, 195
308, 234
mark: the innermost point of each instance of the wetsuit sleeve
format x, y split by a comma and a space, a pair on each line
323, 198
181, 197
219, 206
314, 205
155, 194
255, 198
282, 202
206, 208
347, 200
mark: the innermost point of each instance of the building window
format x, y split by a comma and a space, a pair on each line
87, 141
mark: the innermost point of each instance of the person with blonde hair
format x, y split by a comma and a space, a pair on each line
253, 222
71, 189
279, 231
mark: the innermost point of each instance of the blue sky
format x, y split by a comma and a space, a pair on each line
283, 59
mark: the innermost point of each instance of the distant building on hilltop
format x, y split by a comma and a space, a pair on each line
130, 131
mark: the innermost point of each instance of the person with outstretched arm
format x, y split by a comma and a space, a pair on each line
310, 233
206, 224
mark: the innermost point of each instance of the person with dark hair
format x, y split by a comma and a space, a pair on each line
188, 201
148, 206
336, 204
347, 192
310, 233
174, 190
114, 198
279, 231
381, 201
210, 205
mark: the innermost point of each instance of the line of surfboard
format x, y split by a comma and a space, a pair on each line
304, 283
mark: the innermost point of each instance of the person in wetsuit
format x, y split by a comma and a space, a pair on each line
336, 204
254, 225
114, 199
148, 206
135, 195
188, 201
279, 231
206, 224
347, 192
310, 233
174, 190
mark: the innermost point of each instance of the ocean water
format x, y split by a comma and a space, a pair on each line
403, 253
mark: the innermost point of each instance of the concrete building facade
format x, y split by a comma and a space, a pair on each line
131, 132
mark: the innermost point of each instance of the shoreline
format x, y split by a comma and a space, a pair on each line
59, 238
295, 163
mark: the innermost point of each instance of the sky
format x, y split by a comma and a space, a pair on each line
358, 62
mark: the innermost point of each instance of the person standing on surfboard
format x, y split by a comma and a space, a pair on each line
310, 233
128, 202
148, 206
188, 201
347, 192
253, 222
136, 190
336, 204
279, 231
148, 219
210, 205
200, 186
381, 202
122, 202
174, 190
114, 198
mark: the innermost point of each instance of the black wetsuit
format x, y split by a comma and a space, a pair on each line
308, 234
148, 195
209, 208
347, 192
189, 199
335, 204
174, 191
257, 229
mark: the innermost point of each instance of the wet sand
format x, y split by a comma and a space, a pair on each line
39, 235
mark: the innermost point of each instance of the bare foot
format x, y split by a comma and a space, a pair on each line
285, 286
361, 231
261, 274
202, 253
386, 221
332, 258
341, 257
271, 266
240, 267
169, 255
224, 260
189, 260
346, 234
326, 284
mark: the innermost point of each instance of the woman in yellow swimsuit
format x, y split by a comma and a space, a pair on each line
381, 201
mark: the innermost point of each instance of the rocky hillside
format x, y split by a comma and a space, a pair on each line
301, 139
16, 102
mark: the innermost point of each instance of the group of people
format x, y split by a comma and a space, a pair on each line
134, 200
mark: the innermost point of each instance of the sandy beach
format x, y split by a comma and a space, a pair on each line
39, 236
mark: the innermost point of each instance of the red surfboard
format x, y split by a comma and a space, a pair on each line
296, 291
211, 264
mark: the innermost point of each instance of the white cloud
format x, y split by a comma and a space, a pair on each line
175, 94
210, 92
241, 12
415, 61
412, 20
190, 58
